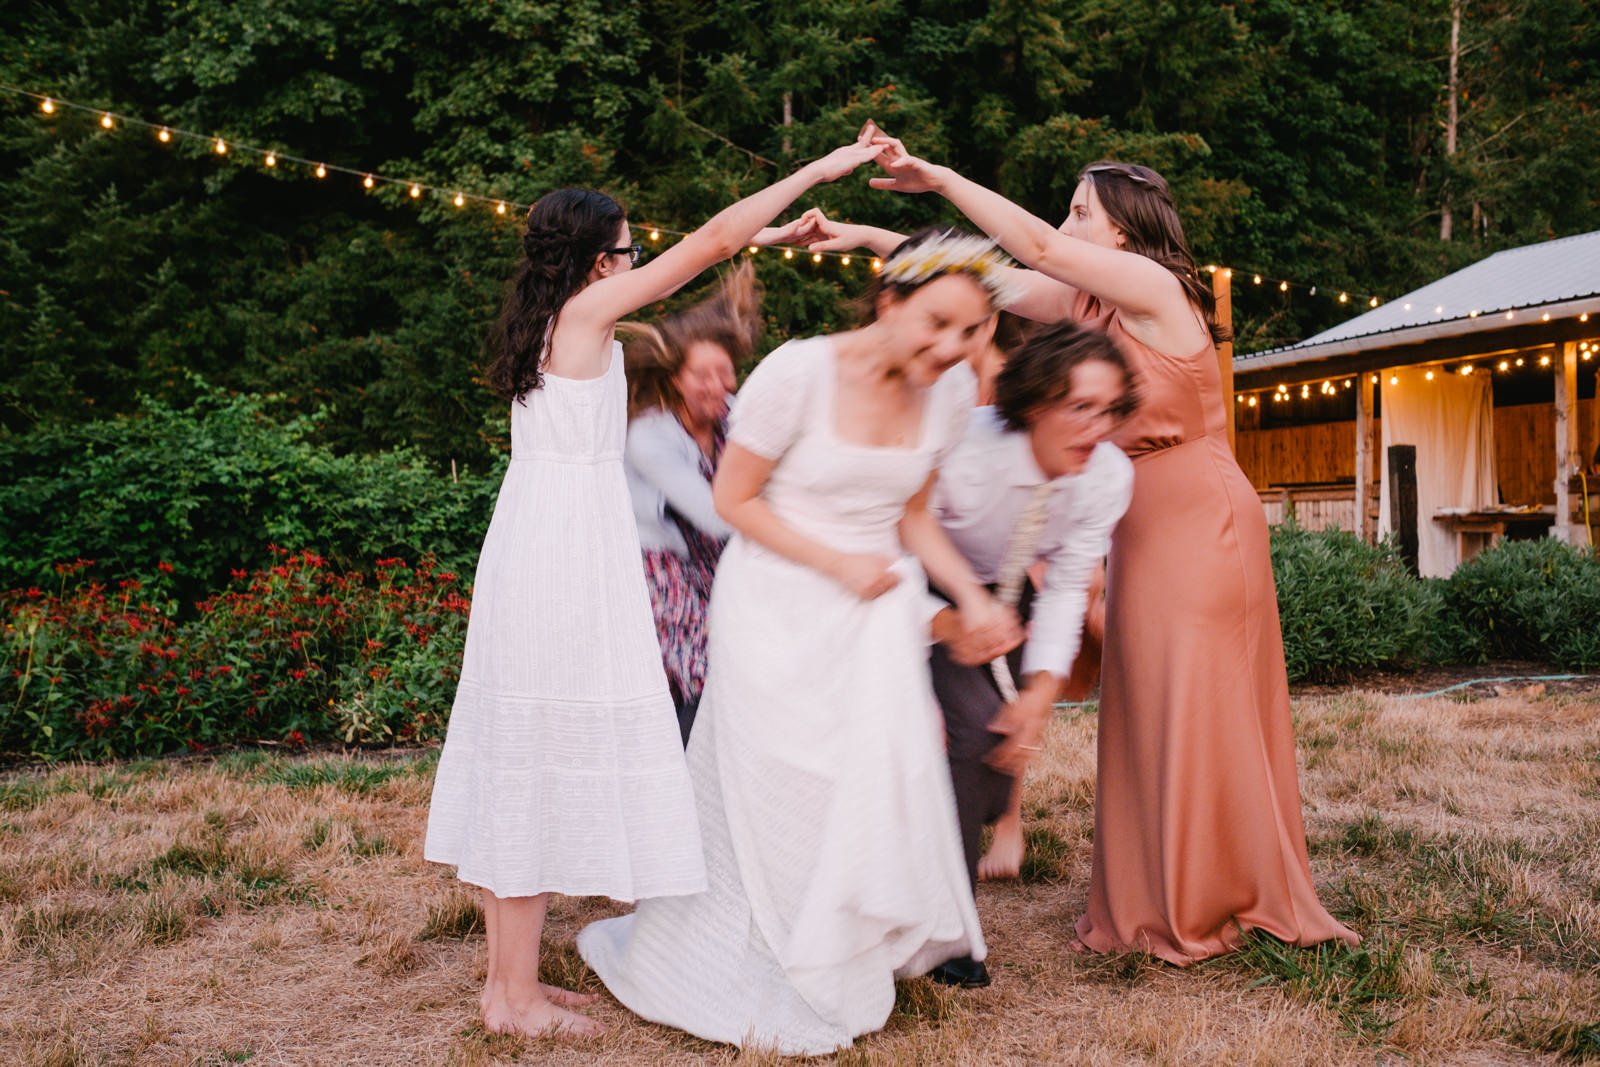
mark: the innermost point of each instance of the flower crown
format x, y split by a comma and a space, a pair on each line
953, 252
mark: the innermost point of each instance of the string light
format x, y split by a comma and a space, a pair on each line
272, 159
1252, 400
1283, 287
844, 261
107, 121
321, 171
221, 147
816, 257
1372, 303
1466, 370
1344, 298
752, 250
1429, 375
500, 208
1519, 361
1394, 379
1258, 279
48, 106
1544, 361
459, 201
788, 253
416, 190
367, 182
655, 235
1504, 365
877, 264
1374, 379
164, 135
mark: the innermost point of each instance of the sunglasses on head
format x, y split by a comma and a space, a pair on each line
1121, 172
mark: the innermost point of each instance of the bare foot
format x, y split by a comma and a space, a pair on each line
1079, 947
1004, 858
567, 998
539, 1018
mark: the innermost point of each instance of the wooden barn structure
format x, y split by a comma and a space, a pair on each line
1491, 373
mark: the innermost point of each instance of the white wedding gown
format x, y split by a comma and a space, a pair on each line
817, 757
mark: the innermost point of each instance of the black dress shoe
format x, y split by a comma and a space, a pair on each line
964, 972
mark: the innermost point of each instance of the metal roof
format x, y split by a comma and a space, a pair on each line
1561, 277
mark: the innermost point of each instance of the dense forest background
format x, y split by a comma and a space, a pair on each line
1307, 139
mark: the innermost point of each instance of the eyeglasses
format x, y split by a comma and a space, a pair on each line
631, 251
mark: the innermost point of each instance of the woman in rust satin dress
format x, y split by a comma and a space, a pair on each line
1198, 829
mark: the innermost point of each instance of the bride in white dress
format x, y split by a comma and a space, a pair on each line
833, 856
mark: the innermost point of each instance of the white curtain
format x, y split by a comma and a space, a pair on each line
1451, 421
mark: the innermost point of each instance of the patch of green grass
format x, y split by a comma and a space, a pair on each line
924, 1000
1046, 857
456, 918
348, 776
1355, 982
25, 794
368, 847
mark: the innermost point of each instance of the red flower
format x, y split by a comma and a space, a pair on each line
295, 738
164, 567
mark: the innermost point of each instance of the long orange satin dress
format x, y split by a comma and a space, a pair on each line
1197, 830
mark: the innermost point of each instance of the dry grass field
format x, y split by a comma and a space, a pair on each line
271, 909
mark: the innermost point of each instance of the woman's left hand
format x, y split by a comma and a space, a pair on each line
906, 173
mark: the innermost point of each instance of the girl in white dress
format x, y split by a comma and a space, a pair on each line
562, 770
820, 778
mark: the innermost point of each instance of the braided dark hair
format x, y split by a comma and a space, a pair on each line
567, 228
1138, 202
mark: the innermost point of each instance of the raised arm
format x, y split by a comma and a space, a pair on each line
585, 324
1142, 289
1040, 297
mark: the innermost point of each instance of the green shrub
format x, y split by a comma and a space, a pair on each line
284, 654
1347, 606
1535, 600
202, 490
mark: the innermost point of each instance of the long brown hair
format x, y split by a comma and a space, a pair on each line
1138, 202
567, 229
653, 354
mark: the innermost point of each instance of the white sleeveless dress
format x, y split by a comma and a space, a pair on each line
817, 755
562, 768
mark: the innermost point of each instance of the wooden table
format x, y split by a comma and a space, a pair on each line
1477, 530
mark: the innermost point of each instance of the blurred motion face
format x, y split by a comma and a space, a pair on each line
704, 381
1064, 434
935, 327
1087, 221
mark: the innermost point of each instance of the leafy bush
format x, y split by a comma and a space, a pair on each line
203, 489
1346, 606
293, 652
1531, 600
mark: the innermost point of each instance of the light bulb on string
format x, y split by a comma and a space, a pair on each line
1283, 287
788, 253
367, 182
1252, 400
1510, 315
655, 235
844, 261
321, 171
220, 147
1228, 272
816, 257
1348, 382
500, 208
1374, 379
1520, 361
753, 250
1544, 361
1305, 392
877, 264
163, 135
1372, 303
459, 201
272, 159
1472, 314
1394, 379
1428, 376
1466, 370
416, 191
48, 106
1504, 365
106, 120
1344, 298
1258, 279
1211, 267
1584, 317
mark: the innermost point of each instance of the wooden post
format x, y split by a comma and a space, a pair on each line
1222, 287
1567, 458
1365, 449
1403, 501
